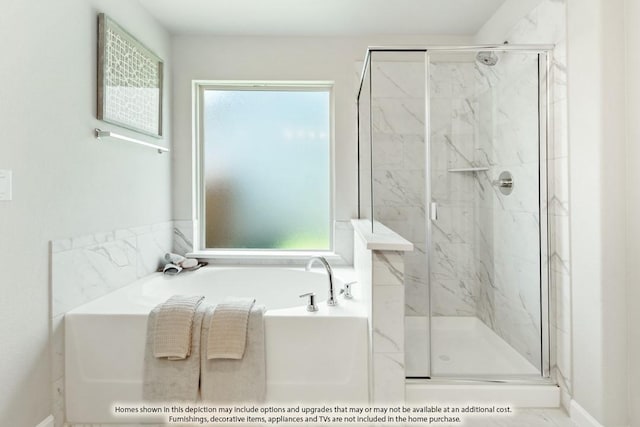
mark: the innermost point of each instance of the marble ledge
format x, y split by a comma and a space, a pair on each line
384, 239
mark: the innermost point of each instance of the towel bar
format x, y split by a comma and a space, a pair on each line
108, 134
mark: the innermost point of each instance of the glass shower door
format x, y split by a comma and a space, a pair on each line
485, 229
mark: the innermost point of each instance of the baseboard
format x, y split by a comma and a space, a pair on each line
47, 422
581, 417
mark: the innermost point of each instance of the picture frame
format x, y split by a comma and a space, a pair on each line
130, 80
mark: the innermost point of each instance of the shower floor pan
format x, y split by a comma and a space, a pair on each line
467, 357
465, 346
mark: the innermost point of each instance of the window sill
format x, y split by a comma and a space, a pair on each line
267, 257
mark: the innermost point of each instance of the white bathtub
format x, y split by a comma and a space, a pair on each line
310, 357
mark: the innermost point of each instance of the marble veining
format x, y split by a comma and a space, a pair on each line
485, 246
388, 383
83, 274
509, 301
388, 305
87, 267
388, 268
523, 418
183, 237
387, 332
546, 24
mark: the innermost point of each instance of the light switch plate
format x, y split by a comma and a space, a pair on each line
5, 184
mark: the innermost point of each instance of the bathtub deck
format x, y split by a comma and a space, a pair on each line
310, 357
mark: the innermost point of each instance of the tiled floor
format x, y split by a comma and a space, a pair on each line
522, 418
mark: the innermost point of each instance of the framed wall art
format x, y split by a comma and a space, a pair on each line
129, 80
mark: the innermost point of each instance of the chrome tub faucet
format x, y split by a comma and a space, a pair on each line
332, 299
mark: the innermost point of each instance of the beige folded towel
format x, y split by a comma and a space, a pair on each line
228, 329
224, 381
173, 328
172, 380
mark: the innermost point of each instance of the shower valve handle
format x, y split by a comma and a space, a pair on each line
504, 183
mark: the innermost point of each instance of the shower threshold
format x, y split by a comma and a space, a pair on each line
539, 395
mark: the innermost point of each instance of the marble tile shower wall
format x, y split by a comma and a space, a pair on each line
454, 123
459, 140
398, 153
398, 111
88, 267
507, 250
485, 254
364, 148
547, 24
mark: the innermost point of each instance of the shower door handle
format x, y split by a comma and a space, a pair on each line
434, 211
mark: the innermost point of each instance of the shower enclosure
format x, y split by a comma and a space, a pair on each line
452, 156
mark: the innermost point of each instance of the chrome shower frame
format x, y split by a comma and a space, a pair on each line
544, 52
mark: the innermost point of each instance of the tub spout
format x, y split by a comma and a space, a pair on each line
332, 299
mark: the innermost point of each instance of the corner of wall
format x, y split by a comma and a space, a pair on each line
499, 24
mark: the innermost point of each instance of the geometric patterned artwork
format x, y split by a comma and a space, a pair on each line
129, 80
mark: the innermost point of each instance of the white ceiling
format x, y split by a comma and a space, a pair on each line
322, 17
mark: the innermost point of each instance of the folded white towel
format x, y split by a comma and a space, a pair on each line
228, 329
172, 258
173, 328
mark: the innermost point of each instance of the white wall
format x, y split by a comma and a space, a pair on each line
65, 183
632, 25
265, 58
596, 81
501, 22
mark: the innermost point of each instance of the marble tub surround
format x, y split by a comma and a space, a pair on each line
87, 267
343, 240
182, 237
381, 273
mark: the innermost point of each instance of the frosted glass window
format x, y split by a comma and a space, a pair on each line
266, 166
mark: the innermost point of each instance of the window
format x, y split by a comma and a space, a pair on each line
263, 176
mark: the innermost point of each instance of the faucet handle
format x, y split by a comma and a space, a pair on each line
346, 290
311, 305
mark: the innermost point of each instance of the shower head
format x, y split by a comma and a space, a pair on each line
487, 58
